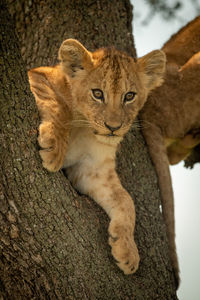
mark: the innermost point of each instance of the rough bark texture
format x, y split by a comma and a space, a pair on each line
43, 25
53, 242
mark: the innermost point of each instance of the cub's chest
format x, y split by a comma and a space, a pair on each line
85, 148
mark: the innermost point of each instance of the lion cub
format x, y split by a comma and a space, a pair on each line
87, 103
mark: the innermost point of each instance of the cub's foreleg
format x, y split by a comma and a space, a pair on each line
103, 185
54, 112
53, 141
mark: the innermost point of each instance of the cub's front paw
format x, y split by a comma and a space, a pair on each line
54, 148
124, 248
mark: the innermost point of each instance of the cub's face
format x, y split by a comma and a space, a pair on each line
109, 95
109, 87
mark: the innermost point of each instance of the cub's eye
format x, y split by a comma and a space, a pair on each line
98, 94
129, 97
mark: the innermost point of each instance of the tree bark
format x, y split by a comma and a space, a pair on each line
53, 241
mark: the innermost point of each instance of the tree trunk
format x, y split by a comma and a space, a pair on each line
53, 241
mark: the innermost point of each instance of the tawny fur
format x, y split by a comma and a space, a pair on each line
171, 116
81, 133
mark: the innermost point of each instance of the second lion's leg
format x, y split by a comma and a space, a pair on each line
182, 148
155, 142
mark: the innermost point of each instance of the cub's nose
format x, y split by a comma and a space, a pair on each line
112, 129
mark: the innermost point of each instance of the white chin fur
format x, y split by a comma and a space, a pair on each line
109, 140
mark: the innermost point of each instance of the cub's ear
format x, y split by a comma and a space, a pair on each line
74, 57
152, 68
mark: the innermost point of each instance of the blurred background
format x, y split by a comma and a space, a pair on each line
154, 22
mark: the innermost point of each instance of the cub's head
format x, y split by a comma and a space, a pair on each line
108, 86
